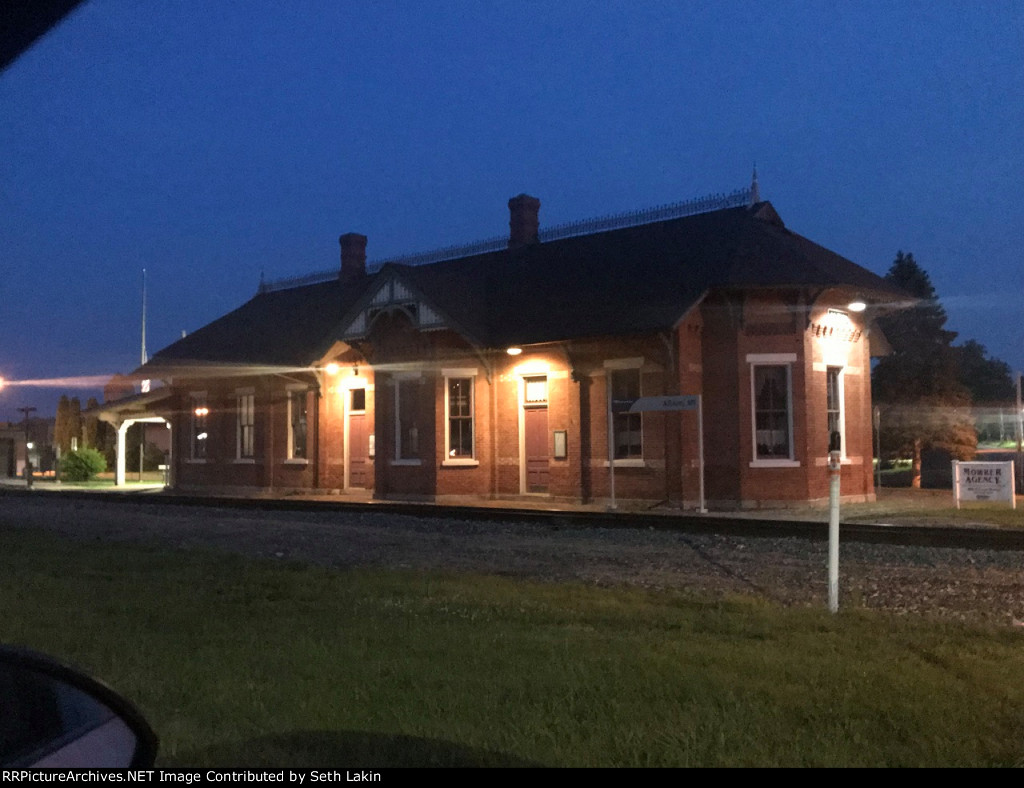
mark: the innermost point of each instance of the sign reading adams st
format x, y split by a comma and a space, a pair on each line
646, 404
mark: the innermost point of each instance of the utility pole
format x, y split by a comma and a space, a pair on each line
28, 462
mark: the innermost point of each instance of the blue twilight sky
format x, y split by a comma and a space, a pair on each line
210, 141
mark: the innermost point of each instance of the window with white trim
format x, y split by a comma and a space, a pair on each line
835, 406
459, 407
772, 411
245, 425
297, 419
627, 427
199, 436
407, 419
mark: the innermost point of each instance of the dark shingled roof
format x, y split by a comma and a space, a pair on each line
279, 328
623, 281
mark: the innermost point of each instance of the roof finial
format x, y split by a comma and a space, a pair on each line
755, 191
263, 283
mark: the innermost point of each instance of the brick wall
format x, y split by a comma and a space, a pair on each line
710, 354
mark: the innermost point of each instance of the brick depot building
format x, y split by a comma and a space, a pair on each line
491, 372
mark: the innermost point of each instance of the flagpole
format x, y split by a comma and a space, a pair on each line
144, 387
144, 357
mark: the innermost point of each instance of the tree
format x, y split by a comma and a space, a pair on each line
61, 427
988, 379
75, 422
922, 402
91, 426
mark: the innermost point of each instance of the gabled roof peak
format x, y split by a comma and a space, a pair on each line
766, 212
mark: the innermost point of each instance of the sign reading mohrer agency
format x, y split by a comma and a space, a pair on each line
983, 481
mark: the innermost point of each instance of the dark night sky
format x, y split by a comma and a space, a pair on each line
207, 142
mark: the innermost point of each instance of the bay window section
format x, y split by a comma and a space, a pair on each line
834, 404
772, 416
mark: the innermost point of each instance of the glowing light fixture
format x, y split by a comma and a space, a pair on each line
514, 351
331, 369
858, 304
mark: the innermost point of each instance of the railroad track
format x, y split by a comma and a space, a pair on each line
977, 538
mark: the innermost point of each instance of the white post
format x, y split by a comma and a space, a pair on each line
611, 440
1020, 433
700, 449
834, 469
121, 432
956, 482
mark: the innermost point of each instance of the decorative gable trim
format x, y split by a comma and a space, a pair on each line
393, 295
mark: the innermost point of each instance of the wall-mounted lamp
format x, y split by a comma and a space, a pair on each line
514, 351
331, 369
858, 304
355, 370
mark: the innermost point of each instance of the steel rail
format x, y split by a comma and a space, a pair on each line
973, 538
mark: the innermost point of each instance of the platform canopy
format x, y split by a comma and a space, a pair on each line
150, 406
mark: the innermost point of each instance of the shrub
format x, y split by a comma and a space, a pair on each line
82, 465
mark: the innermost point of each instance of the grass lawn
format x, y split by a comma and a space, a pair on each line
930, 507
241, 663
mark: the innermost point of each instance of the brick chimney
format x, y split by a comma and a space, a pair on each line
353, 256
523, 222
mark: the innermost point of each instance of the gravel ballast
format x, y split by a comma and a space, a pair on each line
975, 586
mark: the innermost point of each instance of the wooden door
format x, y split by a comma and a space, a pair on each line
535, 424
358, 439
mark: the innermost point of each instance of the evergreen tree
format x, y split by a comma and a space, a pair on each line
922, 402
75, 422
61, 431
91, 426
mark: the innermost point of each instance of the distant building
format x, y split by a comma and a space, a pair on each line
13, 445
506, 370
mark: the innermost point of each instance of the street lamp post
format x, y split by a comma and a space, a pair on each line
28, 445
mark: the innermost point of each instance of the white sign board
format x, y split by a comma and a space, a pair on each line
983, 481
685, 402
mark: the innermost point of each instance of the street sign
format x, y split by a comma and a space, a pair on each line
684, 402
